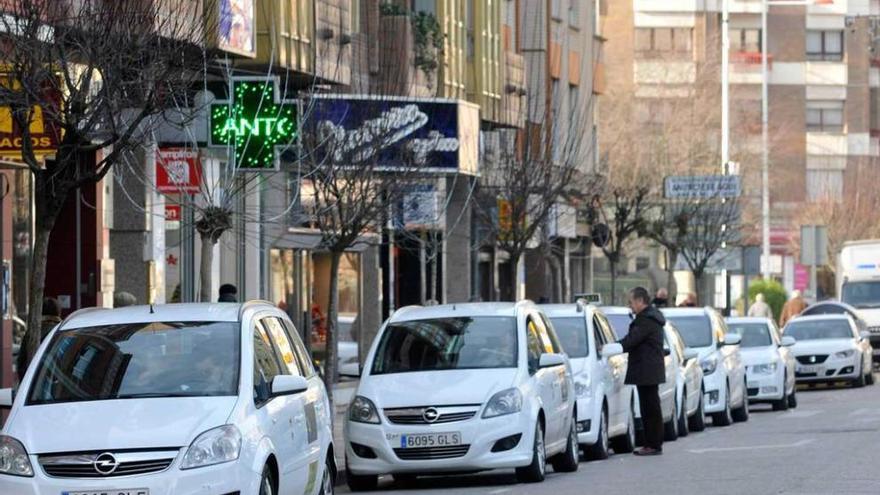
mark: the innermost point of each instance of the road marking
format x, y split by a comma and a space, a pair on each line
795, 445
799, 414
500, 490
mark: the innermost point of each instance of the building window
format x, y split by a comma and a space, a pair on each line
355, 8
659, 42
825, 45
574, 108
574, 14
556, 9
745, 40
824, 185
825, 116
469, 26
510, 27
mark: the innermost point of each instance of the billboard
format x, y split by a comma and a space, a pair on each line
436, 135
178, 170
237, 27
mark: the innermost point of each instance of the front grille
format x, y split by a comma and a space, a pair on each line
84, 465
753, 392
805, 375
812, 359
875, 329
416, 417
432, 453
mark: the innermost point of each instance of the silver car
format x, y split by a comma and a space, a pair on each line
830, 348
770, 364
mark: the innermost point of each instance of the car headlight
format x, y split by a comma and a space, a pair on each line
212, 447
362, 410
14, 458
505, 402
709, 365
764, 369
582, 387
844, 354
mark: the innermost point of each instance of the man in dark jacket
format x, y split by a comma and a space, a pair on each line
646, 370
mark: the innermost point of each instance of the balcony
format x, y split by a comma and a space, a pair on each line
512, 111
398, 74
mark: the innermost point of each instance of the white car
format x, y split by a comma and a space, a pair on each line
462, 387
605, 404
830, 348
169, 400
770, 365
620, 318
347, 348
688, 382
724, 375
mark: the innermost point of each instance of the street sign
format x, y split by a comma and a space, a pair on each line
256, 123
702, 187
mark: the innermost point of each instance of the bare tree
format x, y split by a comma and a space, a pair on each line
94, 72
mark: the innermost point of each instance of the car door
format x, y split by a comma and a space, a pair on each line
668, 388
549, 380
277, 415
784, 353
304, 426
731, 359
616, 369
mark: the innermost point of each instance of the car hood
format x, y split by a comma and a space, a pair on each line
871, 316
826, 346
118, 424
759, 355
436, 388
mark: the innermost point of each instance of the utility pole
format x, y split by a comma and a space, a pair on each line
765, 152
725, 88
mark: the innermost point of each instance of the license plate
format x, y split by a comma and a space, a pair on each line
809, 369
129, 491
427, 440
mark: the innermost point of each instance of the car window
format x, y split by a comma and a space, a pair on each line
677, 344
552, 335
621, 323
282, 343
546, 342
266, 365
753, 334
302, 355
598, 337
137, 360
534, 345
696, 330
607, 329
572, 332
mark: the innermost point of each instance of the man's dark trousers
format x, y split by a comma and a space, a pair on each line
652, 415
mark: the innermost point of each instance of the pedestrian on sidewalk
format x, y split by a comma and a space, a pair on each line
690, 301
646, 371
228, 293
793, 307
122, 299
760, 308
661, 299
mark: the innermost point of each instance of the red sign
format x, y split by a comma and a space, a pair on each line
172, 213
178, 170
801, 277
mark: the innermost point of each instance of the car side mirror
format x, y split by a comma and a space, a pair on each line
288, 385
732, 339
865, 335
611, 350
788, 341
667, 351
7, 396
690, 354
551, 360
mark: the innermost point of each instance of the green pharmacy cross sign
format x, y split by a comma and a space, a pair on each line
254, 123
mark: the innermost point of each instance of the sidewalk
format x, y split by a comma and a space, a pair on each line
343, 392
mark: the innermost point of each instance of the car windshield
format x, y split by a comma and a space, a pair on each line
695, 330
819, 330
447, 344
572, 332
139, 360
620, 322
753, 334
862, 295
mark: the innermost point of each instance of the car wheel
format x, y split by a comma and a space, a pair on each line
860, 381
683, 427
626, 443
537, 470
792, 399
360, 482
328, 483
724, 418
869, 378
784, 403
568, 460
599, 450
670, 433
267, 483
741, 414
697, 422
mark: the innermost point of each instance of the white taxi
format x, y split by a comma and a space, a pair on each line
770, 365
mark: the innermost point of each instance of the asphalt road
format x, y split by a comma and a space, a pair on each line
825, 446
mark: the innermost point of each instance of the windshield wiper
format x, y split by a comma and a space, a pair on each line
154, 395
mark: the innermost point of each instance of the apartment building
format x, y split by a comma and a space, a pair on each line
823, 80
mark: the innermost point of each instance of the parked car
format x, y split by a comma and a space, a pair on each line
162, 400
830, 348
688, 383
347, 346
770, 365
463, 387
605, 404
724, 375
669, 401
858, 315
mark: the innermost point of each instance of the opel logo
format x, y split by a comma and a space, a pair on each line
106, 464
430, 415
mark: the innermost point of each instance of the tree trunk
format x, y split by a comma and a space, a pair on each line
613, 266
205, 278
671, 286
513, 270
33, 336
330, 360
702, 300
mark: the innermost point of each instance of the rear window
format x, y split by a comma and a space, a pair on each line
572, 332
620, 322
447, 344
695, 330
